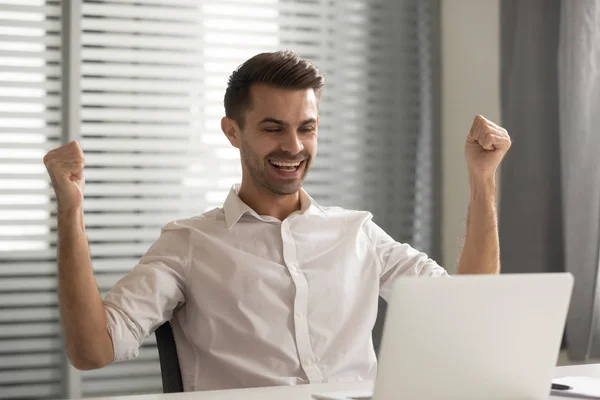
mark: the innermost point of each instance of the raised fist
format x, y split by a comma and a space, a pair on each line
486, 146
65, 167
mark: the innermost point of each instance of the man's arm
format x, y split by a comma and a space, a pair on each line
87, 340
481, 251
486, 146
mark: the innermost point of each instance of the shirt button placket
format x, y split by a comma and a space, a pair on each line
303, 344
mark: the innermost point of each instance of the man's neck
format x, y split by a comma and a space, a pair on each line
266, 203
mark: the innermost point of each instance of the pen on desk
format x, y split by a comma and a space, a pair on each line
558, 386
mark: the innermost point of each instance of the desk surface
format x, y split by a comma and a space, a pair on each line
304, 392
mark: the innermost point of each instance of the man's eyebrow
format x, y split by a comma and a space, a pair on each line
283, 123
272, 120
308, 121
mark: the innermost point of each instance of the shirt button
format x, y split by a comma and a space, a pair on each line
307, 362
300, 313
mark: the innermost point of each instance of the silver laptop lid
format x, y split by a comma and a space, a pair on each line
473, 337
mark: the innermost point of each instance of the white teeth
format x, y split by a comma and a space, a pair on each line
285, 164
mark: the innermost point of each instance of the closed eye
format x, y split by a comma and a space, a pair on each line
307, 129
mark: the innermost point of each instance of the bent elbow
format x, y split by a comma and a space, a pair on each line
85, 362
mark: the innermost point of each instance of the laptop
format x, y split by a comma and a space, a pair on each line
470, 338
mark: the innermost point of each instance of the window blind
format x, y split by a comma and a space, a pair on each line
152, 75
30, 347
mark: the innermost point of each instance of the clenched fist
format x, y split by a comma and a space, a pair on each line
65, 167
486, 146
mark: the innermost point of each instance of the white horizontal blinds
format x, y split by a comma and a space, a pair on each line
153, 76
30, 347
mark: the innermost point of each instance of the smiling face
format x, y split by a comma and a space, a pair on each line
278, 141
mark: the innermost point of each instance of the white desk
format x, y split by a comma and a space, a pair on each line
304, 392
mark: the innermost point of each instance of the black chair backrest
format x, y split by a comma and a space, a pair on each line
169, 363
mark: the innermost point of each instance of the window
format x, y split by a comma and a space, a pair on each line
30, 348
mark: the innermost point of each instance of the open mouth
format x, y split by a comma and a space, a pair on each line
286, 166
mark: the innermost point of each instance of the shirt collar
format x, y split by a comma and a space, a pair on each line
234, 208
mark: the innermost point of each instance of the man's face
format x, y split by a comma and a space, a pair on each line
279, 139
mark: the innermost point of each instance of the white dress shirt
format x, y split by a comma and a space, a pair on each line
256, 301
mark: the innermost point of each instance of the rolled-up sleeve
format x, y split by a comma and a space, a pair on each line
398, 259
146, 297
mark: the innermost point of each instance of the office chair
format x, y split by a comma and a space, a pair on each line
169, 363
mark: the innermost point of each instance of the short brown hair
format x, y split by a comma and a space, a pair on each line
283, 69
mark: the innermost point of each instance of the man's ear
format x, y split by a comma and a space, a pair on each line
232, 130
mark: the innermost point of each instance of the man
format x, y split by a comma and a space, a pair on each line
270, 289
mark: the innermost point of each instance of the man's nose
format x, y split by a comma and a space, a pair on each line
292, 143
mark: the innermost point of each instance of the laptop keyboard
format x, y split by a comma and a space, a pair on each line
361, 398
